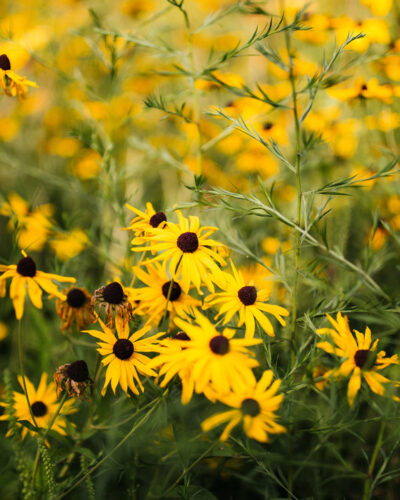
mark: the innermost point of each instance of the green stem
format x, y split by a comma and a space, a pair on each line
299, 193
21, 369
367, 484
37, 457
116, 447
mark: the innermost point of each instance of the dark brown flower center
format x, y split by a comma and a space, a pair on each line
188, 242
250, 407
364, 358
175, 291
181, 336
123, 349
364, 87
219, 345
113, 293
76, 298
39, 409
157, 219
26, 267
268, 125
247, 295
5, 62
78, 371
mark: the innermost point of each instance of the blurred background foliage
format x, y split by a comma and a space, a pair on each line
139, 101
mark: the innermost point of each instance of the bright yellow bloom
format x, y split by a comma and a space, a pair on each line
386, 120
145, 222
44, 404
187, 251
217, 361
359, 357
26, 275
254, 406
123, 355
12, 84
245, 299
153, 298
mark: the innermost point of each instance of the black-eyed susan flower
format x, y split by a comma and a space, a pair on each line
359, 357
363, 89
12, 84
25, 275
114, 299
254, 407
123, 355
187, 250
245, 299
146, 221
44, 405
75, 309
73, 378
218, 361
161, 294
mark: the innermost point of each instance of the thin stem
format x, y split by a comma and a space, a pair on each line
299, 192
21, 369
367, 484
116, 447
37, 457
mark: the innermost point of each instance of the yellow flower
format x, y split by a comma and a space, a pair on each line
380, 8
187, 250
375, 31
43, 401
26, 275
153, 298
254, 406
87, 164
386, 120
33, 226
245, 299
217, 361
363, 89
69, 245
145, 222
123, 355
359, 357
12, 84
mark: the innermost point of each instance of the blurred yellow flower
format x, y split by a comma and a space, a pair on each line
69, 245
12, 84
378, 7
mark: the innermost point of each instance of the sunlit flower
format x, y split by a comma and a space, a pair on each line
380, 8
75, 309
122, 355
157, 298
217, 360
358, 355
187, 251
254, 407
145, 222
43, 402
12, 84
25, 275
245, 299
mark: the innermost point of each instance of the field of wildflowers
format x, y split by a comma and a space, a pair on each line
199, 268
